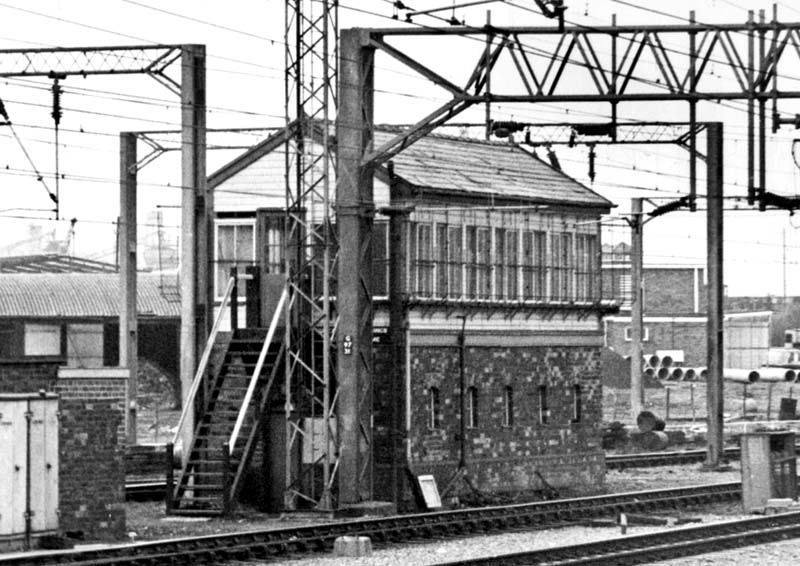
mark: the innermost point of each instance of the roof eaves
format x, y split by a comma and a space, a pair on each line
251, 156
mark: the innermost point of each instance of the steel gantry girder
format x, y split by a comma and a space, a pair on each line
197, 203
611, 59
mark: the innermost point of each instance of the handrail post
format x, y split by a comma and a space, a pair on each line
234, 305
169, 495
257, 371
201, 368
226, 479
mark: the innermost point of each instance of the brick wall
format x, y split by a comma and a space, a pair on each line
91, 452
506, 458
671, 291
687, 336
27, 377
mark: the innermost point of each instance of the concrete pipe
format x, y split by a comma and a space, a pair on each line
777, 374
741, 375
689, 374
662, 373
701, 373
666, 361
652, 360
675, 374
649, 372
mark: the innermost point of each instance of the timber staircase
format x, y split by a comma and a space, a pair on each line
211, 476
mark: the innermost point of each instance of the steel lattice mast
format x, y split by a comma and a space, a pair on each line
310, 104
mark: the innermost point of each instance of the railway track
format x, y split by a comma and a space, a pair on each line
678, 457
155, 489
397, 529
654, 547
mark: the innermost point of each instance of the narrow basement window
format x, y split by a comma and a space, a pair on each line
544, 412
472, 407
434, 408
508, 406
576, 403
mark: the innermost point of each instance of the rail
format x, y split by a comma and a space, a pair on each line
188, 403
251, 387
279, 543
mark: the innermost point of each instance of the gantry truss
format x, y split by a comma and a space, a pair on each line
312, 449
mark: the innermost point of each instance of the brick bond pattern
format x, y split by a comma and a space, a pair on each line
502, 458
91, 446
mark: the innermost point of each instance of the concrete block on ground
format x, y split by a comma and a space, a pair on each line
353, 547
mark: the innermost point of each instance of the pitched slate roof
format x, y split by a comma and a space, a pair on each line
486, 168
78, 295
467, 166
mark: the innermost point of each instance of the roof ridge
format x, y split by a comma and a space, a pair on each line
496, 143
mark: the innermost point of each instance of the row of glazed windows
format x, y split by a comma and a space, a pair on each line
450, 261
494, 263
473, 407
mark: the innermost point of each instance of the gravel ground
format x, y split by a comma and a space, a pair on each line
483, 546
148, 521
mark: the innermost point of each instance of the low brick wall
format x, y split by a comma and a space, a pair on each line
91, 452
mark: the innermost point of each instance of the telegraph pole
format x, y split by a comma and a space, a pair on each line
714, 242
637, 308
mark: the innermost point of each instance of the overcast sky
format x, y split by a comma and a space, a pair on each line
244, 41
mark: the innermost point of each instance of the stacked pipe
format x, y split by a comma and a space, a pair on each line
662, 368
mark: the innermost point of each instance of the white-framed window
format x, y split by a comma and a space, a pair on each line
42, 339
235, 247
645, 334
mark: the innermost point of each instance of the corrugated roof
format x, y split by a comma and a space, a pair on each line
78, 295
486, 168
53, 263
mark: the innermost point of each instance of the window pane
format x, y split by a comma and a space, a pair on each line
483, 264
380, 260
499, 263
472, 262
244, 244
512, 267
454, 263
441, 260
42, 340
85, 345
226, 243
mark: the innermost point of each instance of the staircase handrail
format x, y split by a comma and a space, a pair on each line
251, 387
204, 359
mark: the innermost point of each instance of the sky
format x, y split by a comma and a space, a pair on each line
245, 83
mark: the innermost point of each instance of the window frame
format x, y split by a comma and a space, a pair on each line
628, 334
236, 223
